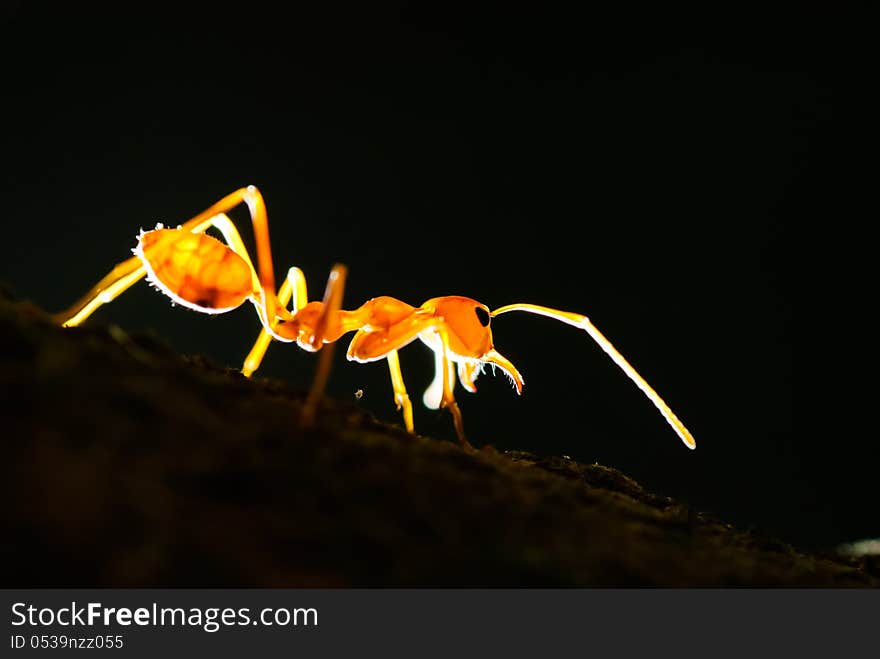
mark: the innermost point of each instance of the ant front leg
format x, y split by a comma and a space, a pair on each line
447, 399
439, 393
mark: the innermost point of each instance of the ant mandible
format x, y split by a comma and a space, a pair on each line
206, 275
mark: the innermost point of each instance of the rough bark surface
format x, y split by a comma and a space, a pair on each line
128, 465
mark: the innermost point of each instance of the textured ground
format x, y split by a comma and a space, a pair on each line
105, 483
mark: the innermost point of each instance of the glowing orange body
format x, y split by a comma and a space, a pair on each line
206, 275
195, 269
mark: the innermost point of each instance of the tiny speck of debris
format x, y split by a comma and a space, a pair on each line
359, 394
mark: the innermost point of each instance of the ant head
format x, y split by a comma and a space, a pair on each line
467, 323
470, 335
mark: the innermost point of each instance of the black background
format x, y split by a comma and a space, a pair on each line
641, 169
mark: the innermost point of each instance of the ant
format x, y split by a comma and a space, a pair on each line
202, 273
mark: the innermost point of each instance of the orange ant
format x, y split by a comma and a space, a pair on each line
202, 273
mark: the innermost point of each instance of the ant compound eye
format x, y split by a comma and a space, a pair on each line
482, 316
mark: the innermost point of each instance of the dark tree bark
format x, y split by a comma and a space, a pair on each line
127, 465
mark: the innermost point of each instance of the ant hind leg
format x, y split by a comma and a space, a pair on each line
332, 304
